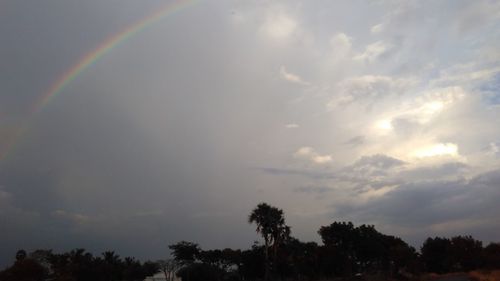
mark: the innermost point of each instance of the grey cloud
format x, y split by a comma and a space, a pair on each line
364, 167
73, 217
356, 141
369, 170
298, 172
378, 161
429, 204
313, 189
367, 173
453, 169
473, 16
377, 164
369, 89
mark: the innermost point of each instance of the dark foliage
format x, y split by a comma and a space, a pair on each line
25, 269
185, 252
460, 253
354, 250
271, 225
347, 252
491, 256
200, 272
76, 265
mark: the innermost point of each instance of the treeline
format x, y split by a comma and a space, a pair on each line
460, 253
76, 265
346, 252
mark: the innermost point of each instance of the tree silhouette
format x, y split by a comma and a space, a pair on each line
271, 225
76, 265
185, 252
24, 269
338, 254
112, 265
491, 256
466, 253
436, 254
253, 263
200, 272
21, 255
169, 267
363, 249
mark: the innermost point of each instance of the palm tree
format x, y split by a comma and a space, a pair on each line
271, 225
112, 264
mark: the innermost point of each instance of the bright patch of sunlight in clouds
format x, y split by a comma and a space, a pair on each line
384, 125
309, 154
439, 149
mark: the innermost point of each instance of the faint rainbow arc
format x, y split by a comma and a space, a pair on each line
105, 47
87, 60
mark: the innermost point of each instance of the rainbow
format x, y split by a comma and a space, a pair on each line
89, 59
105, 47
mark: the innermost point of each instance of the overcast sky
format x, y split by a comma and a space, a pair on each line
381, 112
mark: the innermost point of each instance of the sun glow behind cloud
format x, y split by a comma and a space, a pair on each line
439, 149
384, 125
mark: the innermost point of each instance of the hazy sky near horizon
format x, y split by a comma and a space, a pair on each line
383, 112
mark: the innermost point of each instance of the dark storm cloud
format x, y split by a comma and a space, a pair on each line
435, 203
434, 172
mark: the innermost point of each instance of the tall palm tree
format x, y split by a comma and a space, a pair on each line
112, 264
271, 225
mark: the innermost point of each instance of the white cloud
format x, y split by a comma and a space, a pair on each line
369, 89
430, 104
278, 24
420, 111
291, 77
373, 51
304, 151
341, 45
308, 153
494, 149
292, 126
322, 159
377, 28
465, 74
